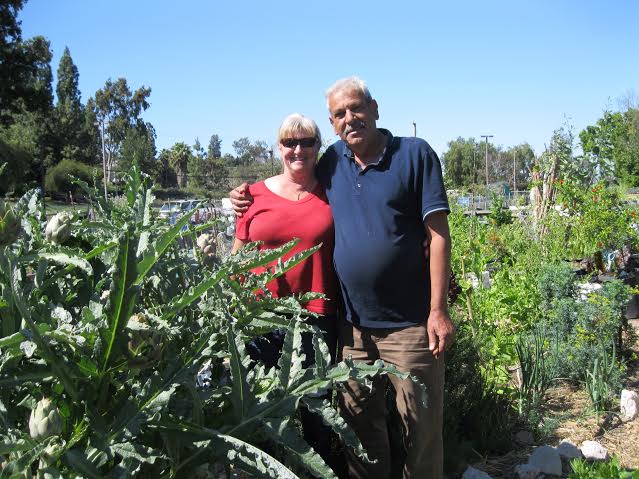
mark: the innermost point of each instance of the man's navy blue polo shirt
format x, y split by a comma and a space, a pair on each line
379, 217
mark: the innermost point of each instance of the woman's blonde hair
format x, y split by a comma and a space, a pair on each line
296, 124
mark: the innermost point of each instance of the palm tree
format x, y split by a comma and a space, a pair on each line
179, 157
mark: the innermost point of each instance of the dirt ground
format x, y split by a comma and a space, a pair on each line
570, 407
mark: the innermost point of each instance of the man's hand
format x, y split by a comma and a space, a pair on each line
441, 332
241, 199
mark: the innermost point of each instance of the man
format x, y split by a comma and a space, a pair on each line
387, 197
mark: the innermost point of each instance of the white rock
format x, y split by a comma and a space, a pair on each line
526, 471
525, 437
472, 279
629, 405
593, 451
485, 279
569, 450
472, 473
546, 459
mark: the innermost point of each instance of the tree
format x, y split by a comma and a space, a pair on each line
72, 136
248, 152
206, 171
259, 151
26, 150
523, 158
139, 146
165, 175
10, 38
242, 149
117, 110
179, 157
26, 99
462, 162
613, 145
215, 147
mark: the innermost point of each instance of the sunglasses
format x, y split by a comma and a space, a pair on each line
303, 142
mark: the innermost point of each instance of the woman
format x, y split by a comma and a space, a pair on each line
294, 205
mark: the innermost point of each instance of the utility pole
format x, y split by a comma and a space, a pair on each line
414, 129
270, 154
514, 170
474, 165
486, 137
104, 165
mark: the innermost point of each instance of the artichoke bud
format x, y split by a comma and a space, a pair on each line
140, 332
9, 225
206, 243
45, 420
58, 228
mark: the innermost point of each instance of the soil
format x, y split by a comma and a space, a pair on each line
570, 408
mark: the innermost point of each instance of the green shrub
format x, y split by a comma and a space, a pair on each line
499, 214
556, 282
477, 416
59, 179
582, 469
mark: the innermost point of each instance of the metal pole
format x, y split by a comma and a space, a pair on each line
514, 170
270, 152
104, 167
486, 137
414, 129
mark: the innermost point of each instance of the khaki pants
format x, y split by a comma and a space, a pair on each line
365, 409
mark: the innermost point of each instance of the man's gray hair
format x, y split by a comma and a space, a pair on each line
351, 83
296, 124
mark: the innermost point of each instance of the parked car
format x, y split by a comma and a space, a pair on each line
175, 208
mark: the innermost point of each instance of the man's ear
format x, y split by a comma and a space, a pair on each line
375, 109
330, 118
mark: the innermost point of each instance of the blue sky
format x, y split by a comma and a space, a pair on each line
514, 69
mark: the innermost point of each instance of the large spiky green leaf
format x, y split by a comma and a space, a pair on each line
282, 266
35, 375
290, 362
10, 444
58, 366
157, 391
321, 351
123, 294
67, 257
146, 221
234, 451
97, 199
249, 257
193, 294
79, 462
156, 249
19, 465
242, 397
331, 417
297, 449
135, 452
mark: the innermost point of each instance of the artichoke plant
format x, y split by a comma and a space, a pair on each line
118, 359
45, 420
9, 225
58, 228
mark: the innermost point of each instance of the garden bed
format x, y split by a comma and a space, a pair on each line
569, 416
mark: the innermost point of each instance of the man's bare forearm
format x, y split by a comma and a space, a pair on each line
437, 229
